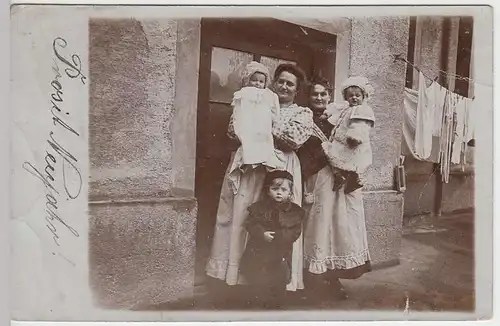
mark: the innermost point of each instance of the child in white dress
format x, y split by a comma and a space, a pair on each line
255, 108
349, 150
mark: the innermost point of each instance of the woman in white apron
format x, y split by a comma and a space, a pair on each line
335, 238
291, 129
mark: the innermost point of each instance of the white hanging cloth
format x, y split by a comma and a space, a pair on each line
424, 120
446, 140
435, 95
409, 123
409, 129
437, 125
459, 132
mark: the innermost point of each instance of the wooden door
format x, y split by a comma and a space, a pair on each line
227, 46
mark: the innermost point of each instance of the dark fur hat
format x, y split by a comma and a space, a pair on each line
277, 174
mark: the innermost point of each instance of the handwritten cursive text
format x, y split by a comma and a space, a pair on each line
61, 175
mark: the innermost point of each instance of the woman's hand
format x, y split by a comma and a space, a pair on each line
282, 145
269, 236
352, 142
308, 198
358, 132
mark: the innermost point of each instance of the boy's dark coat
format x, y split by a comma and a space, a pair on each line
269, 263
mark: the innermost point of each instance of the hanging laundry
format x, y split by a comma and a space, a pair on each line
438, 125
435, 96
467, 126
424, 121
446, 139
434, 157
459, 132
409, 126
435, 100
453, 129
409, 122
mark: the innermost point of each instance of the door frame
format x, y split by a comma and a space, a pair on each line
316, 48
225, 33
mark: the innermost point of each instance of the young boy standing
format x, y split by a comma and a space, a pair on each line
273, 224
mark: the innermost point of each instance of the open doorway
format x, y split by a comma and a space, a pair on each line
227, 45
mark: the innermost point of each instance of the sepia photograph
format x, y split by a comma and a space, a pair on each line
240, 162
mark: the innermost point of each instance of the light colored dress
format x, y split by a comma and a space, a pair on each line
353, 122
254, 113
294, 127
335, 235
335, 231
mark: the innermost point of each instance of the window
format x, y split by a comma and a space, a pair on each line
464, 55
227, 67
225, 72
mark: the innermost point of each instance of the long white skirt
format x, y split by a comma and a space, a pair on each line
335, 235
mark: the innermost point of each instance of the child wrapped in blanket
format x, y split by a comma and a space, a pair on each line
255, 109
349, 150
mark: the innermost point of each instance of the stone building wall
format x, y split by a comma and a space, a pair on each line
143, 100
141, 202
373, 44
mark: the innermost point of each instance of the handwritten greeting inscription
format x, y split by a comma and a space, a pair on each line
60, 176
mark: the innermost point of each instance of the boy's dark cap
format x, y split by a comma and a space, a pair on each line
278, 174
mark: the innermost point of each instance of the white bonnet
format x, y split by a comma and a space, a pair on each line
251, 69
358, 81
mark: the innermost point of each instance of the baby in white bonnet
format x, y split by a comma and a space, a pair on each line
349, 149
255, 109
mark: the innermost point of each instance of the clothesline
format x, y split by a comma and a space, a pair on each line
399, 57
432, 112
